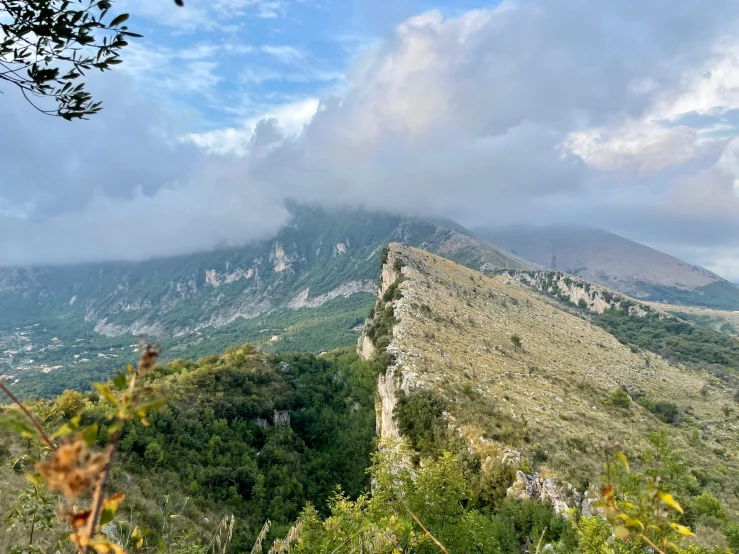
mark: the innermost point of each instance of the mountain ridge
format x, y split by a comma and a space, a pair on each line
307, 288
616, 262
515, 371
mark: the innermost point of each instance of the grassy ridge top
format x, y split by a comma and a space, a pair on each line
546, 391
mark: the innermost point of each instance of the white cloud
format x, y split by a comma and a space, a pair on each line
172, 73
204, 14
291, 119
284, 53
173, 220
531, 111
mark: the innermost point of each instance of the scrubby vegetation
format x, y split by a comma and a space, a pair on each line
620, 398
673, 339
437, 496
243, 433
720, 295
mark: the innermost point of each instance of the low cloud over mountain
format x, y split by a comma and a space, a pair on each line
622, 116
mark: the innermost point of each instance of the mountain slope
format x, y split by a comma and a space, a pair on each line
515, 371
305, 289
243, 433
629, 267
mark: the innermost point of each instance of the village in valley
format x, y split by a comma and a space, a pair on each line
33, 349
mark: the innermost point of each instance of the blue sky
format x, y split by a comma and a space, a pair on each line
620, 115
236, 60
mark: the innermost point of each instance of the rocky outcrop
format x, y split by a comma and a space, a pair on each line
365, 348
280, 260
594, 298
547, 491
387, 387
282, 418
215, 280
303, 300
387, 384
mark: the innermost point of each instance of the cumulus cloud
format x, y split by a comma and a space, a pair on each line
122, 185
616, 114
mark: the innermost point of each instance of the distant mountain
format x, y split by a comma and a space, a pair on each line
618, 263
308, 288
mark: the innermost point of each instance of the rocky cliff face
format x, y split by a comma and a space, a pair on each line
590, 296
389, 383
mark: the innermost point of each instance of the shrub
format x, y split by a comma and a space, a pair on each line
646, 403
393, 292
516, 341
594, 533
578, 444
419, 416
398, 264
70, 403
732, 536
384, 255
492, 486
620, 398
707, 508
582, 304
667, 412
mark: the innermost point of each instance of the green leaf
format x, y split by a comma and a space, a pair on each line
68, 428
90, 434
16, 422
119, 381
116, 427
620, 456
685, 531
118, 20
110, 506
107, 393
620, 532
671, 502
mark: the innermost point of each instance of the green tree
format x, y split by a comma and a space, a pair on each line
707, 508
438, 498
594, 534
47, 46
153, 454
620, 398
32, 511
69, 403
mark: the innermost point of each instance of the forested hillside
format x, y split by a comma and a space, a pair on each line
306, 289
243, 433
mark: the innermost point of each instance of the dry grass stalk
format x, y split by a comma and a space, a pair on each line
257, 548
73, 468
222, 537
428, 533
280, 546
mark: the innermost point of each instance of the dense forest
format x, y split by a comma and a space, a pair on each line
244, 433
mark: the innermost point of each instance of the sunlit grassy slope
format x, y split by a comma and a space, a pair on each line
548, 396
